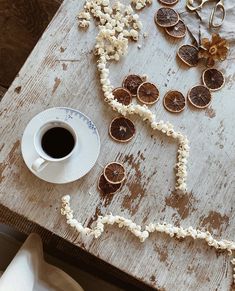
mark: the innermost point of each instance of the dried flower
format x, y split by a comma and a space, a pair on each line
213, 50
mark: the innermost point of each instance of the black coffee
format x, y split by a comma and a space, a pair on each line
58, 142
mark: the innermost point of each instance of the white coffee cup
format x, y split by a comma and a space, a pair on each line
44, 158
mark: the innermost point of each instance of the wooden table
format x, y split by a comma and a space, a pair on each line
61, 72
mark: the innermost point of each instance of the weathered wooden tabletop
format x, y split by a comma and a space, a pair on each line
61, 71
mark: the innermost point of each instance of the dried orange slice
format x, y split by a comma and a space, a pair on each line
114, 173
168, 2
213, 79
122, 95
188, 54
132, 83
177, 31
174, 101
148, 93
122, 129
199, 96
107, 188
166, 17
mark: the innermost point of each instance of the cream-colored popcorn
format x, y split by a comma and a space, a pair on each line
143, 235
83, 23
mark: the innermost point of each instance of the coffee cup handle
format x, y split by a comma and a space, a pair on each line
39, 164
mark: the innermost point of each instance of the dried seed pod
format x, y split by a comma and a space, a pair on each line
166, 17
122, 95
168, 2
199, 96
188, 54
214, 50
122, 129
114, 173
177, 31
107, 188
213, 79
174, 101
132, 83
148, 93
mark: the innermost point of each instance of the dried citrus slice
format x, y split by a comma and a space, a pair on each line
114, 173
166, 17
177, 31
132, 83
122, 95
122, 129
188, 54
174, 101
213, 79
147, 93
107, 188
199, 96
168, 2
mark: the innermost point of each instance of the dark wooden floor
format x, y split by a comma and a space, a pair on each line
22, 22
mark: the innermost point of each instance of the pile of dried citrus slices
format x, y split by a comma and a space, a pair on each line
199, 96
112, 178
121, 128
136, 86
169, 19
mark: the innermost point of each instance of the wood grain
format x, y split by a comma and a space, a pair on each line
22, 22
61, 72
2, 91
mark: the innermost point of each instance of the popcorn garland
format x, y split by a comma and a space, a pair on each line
135, 229
166, 228
117, 25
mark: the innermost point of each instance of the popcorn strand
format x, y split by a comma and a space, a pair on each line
117, 25
169, 229
143, 234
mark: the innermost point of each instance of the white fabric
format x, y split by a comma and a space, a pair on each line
29, 272
198, 23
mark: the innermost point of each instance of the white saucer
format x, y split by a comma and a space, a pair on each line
81, 161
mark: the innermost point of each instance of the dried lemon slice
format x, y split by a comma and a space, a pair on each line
166, 17
200, 96
114, 173
178, 30
122, 95
174, 101
148, 93
213, 79
131, 83
188, 54
168, 2
107, 188
122, 129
